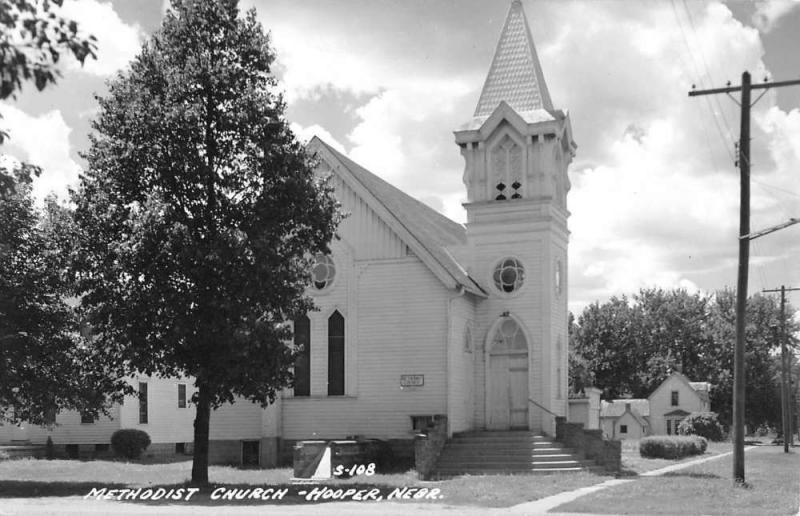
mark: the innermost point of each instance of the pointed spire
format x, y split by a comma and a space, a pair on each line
515, 75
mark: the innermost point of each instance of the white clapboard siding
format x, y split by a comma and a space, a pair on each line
401, 309
364, 231
460, 367
526, 305
166, 423
70, 430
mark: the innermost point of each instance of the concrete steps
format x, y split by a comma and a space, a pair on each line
513, 452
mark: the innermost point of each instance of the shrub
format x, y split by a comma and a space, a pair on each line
129, 442
49, 449
704, 424
672, 447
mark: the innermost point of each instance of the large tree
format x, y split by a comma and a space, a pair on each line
44, 364
199, 212
630, 345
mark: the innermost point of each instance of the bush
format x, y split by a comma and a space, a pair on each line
130, 443
49, 449
704, 424
672, 447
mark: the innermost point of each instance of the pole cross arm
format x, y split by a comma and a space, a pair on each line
753, 236
731, 89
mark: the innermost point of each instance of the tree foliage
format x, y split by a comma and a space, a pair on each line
198, 214
630, 345
32, 39
43, 365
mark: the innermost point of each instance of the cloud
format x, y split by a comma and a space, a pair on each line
44, 141
304, 134
117, 41
769, 12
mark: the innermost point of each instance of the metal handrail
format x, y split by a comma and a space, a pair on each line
543, 408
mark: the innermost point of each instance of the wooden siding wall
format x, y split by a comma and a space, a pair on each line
400, 309
491, 245
70, 430
661, 403
366, 234
461, 364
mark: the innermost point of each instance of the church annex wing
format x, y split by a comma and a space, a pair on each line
427, 233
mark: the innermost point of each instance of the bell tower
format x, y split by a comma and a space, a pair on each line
517, 148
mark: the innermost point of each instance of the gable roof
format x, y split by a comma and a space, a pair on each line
515, 75
701, 389
429, 233
616, 408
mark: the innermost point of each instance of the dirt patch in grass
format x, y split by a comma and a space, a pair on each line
772, 480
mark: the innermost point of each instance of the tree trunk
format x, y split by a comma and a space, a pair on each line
201, 433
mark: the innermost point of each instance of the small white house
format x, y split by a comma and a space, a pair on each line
660, 414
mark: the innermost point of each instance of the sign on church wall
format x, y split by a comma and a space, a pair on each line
412, 380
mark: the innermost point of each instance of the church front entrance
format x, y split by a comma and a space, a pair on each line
507, 383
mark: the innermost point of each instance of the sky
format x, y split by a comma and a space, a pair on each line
655, 192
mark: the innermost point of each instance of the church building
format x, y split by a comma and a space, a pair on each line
419, 316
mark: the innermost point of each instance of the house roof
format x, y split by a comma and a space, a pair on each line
616, 408
515, 75
702, 389
432, 230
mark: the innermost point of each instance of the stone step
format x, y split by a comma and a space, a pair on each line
493, 465
448, 473
511, 447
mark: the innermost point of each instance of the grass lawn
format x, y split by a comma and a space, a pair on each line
634, 464
33, 478
773, 484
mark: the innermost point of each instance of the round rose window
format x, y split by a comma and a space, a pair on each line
508, 275
323, 272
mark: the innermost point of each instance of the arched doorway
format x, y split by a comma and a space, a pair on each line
507, 377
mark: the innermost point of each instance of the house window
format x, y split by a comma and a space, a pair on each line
508, 275
302, 361
324, 271
86, 418
142, 402
674, 398
181, 395
623, 429
101, 448
180, 448
336, 354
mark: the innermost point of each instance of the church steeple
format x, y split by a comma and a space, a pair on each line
515, 75
516, 146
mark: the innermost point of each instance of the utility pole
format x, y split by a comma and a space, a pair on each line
786, 396
744, 259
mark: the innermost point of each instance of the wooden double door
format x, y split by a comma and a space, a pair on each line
507, 405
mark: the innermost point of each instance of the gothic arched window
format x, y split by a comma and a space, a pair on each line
508, 337
336, 354
506, 165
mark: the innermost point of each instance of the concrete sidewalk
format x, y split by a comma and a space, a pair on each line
545, 505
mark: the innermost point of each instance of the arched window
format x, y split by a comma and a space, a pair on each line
336, 354
508, 337
302, 362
